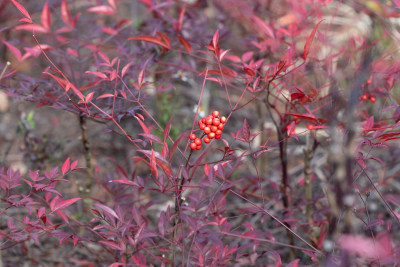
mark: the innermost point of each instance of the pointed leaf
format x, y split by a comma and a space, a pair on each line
106, 10
150, 39
65, 14
185, 43
58, 204
127, 182
215, 39
106, 209
65, 166
309, 41
125, 69
46, 16
98, 74
22, 10
15, 51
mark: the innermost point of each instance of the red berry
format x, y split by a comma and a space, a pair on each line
207, 140
368, 81
211, 135
218, 132
222, 119
217, 136
221, 126
198, 147
215, 114
200, 123
202, 126
192, 137
216, 121
214, 128
193, 146
197, 141
364, 97
372, 99
209, 121
310, 127
207, 130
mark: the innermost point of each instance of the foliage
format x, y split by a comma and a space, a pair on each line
304, 172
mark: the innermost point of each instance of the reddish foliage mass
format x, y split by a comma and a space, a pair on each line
296, 164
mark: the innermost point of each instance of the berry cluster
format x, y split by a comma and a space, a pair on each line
212, 127
365, 96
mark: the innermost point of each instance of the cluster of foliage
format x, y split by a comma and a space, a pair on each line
303, 173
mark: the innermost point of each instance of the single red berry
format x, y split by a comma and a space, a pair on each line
218, 132
204, 120
193, 146
221, 126
215, 114
368, 81
217, 136
310, 127
372, 99
207, 140
209, 121
198, 147
364, 97
216, 121
202, 126
192, 137
207, 130
197, 141
222, 119
211, 135
214, 128
200, 123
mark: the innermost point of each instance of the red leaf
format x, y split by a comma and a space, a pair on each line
223, 54
22, 10
14, 50
303, 117
164, 38
151, 137
150, 39
263, 26
112, 4
63, 204
215, 39
309, 41
144, 127
32, 28
73, 165
98, 74
111, 244
65, 15
160, 160
106, 10
141, 77
249, 71
182, 13
125, 69
185, 43
105, 96
106, 209
46, 16
65, 166
153, 164
127, 182
167, 129
89, 97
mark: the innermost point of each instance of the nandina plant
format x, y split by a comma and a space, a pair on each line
295, 165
